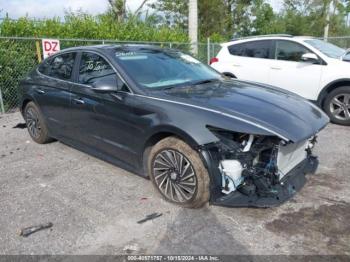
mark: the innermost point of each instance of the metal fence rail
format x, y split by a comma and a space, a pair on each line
18, 55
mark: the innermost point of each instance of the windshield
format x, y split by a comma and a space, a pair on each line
328, 49
157, 69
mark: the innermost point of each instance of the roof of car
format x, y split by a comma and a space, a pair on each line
112, 46
266, 37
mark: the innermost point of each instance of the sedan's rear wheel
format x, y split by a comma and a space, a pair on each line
337, 106
178, 173
35, 124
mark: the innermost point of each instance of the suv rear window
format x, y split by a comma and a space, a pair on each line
256, 49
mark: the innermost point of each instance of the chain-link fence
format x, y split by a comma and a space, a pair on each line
18, 55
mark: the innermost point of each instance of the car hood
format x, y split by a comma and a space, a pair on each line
283, 113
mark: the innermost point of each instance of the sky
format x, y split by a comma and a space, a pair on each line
49, 8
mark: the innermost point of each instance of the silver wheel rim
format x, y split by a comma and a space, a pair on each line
174, 176
340, 106
33, 123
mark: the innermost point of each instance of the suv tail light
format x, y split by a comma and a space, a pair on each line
213, 60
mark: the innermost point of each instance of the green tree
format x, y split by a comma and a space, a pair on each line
221, 19
264, 20
211, 15
118, 7
303, 17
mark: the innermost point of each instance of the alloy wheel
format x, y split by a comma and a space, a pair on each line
175, 176
33, 123
340, 106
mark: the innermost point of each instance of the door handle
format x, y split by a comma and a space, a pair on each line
39, 91
79, 101
276, 68
117, 96
236, 65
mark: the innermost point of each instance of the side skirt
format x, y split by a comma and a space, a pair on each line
95, 153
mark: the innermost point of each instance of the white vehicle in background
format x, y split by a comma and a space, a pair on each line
312, 68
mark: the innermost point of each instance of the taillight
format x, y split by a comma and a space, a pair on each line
213, 60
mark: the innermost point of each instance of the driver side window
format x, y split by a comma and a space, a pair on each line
93, 67
290, 51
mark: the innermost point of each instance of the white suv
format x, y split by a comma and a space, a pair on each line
309, 67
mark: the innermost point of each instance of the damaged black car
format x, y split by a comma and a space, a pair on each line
162, 114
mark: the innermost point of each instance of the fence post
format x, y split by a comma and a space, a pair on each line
1, 103
38, 51
208, 50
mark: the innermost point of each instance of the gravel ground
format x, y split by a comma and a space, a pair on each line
95, 206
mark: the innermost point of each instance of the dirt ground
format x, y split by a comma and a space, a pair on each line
95, 206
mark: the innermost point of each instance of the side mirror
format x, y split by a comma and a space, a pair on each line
346, 57
310, 58
107, 85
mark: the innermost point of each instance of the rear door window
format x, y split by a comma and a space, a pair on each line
60, 66
254, 49
237, 50
44, 67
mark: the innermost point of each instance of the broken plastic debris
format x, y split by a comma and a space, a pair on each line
149, 217
131, 248
30, 230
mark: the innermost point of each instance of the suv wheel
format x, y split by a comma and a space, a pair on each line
35, 124
178, 173
337, 105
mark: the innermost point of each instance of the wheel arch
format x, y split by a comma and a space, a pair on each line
25, 100
329, 88
161, 133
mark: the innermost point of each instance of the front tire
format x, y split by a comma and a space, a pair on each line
337, 105
36, 125
178, 173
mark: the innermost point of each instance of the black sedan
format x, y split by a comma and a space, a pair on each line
162, 114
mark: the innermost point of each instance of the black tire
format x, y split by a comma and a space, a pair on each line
338, 101
187, 179
229, 75
36, 125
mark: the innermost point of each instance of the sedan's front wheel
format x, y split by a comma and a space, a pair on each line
178, 173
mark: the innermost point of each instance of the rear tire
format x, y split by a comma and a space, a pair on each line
229, 75
178, 173
337, 106
36, 125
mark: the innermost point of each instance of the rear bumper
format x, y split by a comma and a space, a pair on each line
289, 185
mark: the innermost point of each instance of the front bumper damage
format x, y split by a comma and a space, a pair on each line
286, 189
257, 172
